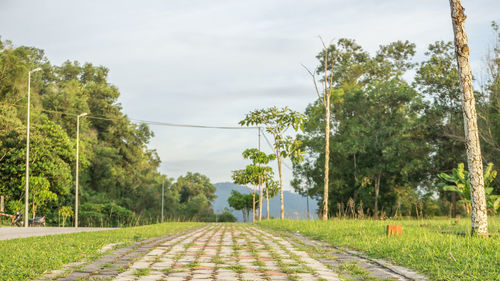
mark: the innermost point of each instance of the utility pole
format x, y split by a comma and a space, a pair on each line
162, 198
77, 156
27, 179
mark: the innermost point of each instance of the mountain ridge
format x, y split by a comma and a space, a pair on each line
295, 204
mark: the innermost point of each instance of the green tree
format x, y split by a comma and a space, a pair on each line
262, 172
241, 202
195, 194
379, 139
325, 96
272, 189
277, 122
437, 78
65, 212
249, 175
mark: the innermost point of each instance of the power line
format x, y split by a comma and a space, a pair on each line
156, 123
272, 148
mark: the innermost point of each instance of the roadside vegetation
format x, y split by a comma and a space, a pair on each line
441, 249
120, 183
27, 258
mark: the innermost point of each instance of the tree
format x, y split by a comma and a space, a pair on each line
277, 122
259, 159
194, 184
65, 212
241, 202
379, 139
437, 78
195, 194
226, 216
119, 175
271, 190
325, 96
474, 160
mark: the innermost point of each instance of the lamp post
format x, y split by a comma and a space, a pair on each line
76, 176
27, 179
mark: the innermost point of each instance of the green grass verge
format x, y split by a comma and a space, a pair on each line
27, 258
423, 245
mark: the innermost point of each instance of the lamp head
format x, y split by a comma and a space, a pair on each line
83, 114
36, 69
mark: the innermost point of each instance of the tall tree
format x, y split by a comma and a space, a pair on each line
277, 122
325, 96
474, 160
437, 78
379, 130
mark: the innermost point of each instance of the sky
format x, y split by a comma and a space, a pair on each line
211, 62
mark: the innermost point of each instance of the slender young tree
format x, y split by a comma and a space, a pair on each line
272, 189
474, 160
246, 176
277, 122
259, 160
325, 96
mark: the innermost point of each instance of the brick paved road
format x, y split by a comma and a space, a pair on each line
233, 252
227, 253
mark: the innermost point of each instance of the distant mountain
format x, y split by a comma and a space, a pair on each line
295, 204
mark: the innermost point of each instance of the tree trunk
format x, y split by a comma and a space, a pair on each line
474, 160
267, 202
253, 205
453, 204
260, 198
327, 158
308, 215
281, 188
33, 210
377, 189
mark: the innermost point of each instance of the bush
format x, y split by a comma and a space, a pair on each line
226, 216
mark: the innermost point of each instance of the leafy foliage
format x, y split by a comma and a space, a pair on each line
458, 182
119, 178
241, 202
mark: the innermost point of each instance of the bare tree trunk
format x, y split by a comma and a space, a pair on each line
260, 198
377, 189
453, 204
474, 161
325, 99
33, 211
327, 158
253, 205
267, 202
281, 188
308, 215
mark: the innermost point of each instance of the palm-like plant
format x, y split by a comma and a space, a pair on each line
458, 182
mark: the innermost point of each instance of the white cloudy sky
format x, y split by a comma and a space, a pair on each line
210, 62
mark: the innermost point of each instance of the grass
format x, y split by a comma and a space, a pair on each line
27, 258
142, 272
439, 248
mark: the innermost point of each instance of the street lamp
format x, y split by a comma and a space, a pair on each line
27, 179
76, 176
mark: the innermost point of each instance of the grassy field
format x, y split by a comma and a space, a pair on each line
22, 259
438, 248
